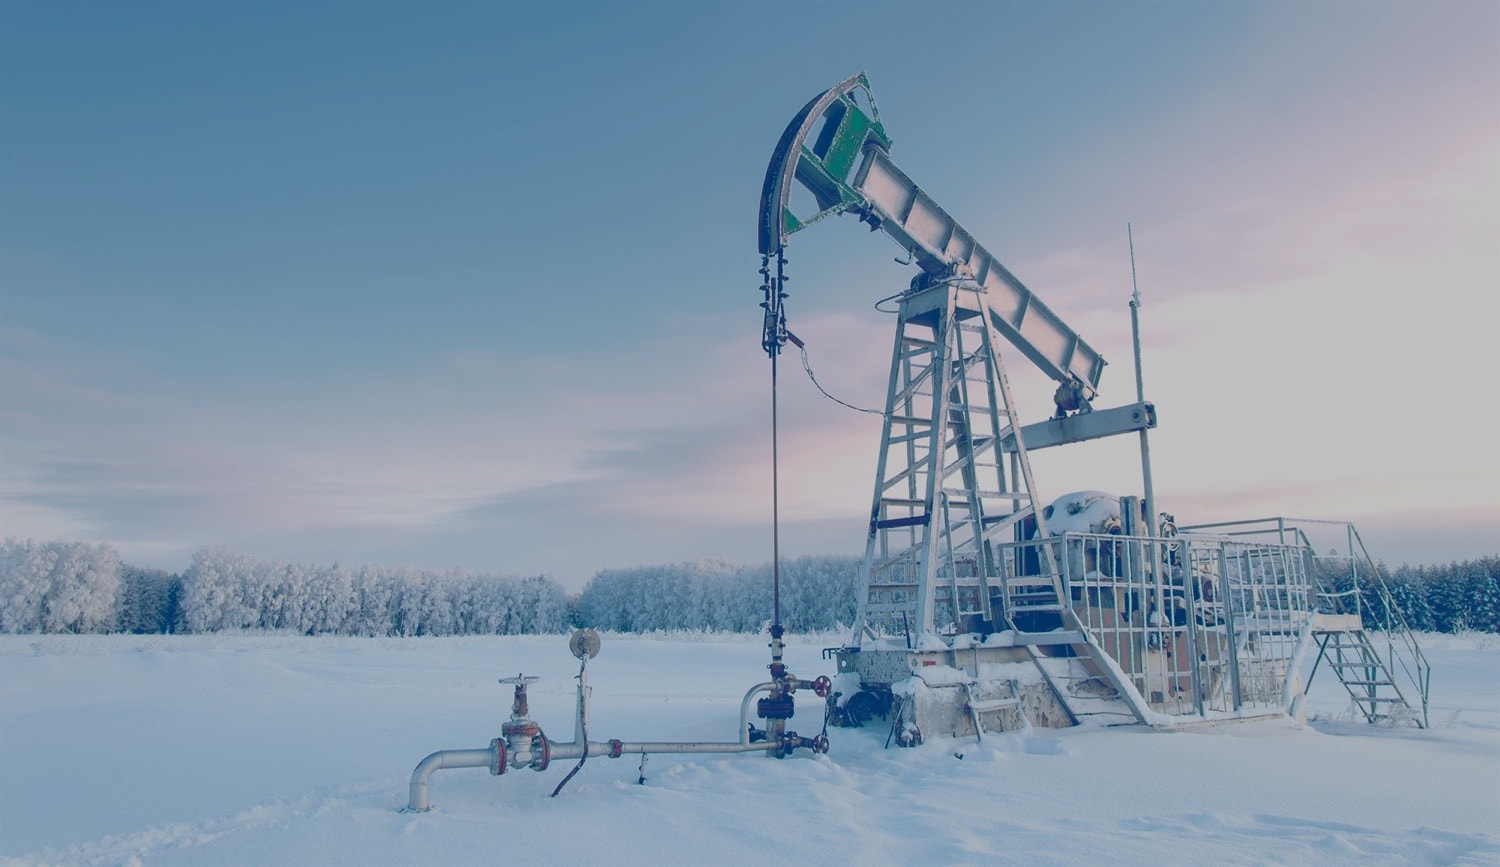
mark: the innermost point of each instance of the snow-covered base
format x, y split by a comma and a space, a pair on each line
269, 749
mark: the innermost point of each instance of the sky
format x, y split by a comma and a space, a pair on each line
475, 284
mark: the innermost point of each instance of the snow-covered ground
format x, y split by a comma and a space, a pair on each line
265, 749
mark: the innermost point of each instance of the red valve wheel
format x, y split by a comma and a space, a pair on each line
822, 686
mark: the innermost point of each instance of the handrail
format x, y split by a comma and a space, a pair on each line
1422, 677
1392, 621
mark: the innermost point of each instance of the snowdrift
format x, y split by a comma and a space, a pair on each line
253, 749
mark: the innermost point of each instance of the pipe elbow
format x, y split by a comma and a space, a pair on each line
417, 796
416, 801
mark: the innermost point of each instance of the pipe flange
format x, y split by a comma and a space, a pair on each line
541, 751
497, 765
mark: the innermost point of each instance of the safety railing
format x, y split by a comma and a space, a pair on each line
1348, 582
1199, 626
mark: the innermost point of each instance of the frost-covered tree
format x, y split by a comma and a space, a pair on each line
1445, 596
543, 605
333, 607
85, 591
820, 592
816, 593
1485, 596
74, 587
1408, 591
373, 606
219, 591
25, 576
148, 600
59, 587
601, 603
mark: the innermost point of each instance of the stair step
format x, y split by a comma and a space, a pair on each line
1060, 637
993, 704
1368, 683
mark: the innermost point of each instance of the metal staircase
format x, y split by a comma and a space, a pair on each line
1341, 628
1362, 671
1361, 632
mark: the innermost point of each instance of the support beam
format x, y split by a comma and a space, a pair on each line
1084, 426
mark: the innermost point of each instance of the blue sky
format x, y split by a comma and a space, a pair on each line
475, 283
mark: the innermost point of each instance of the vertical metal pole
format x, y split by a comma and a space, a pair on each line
944, 348
1231, 628
775, 511
773, 337
1354, 573
1140, 394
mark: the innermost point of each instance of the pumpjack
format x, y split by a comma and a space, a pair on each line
984, 607
980, 612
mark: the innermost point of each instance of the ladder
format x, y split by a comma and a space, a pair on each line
943, 492
1344, 645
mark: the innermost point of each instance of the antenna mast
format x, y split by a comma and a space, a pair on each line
1140, 388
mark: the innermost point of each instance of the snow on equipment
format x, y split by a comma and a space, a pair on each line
984, 607
981, 612
523, 744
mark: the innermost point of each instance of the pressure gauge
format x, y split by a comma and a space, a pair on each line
584, 643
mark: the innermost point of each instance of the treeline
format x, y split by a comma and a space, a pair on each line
1459, 597
77, 587
817, 593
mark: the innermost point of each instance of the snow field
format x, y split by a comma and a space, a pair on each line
263, 748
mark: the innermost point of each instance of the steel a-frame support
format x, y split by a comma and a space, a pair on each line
952, 478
